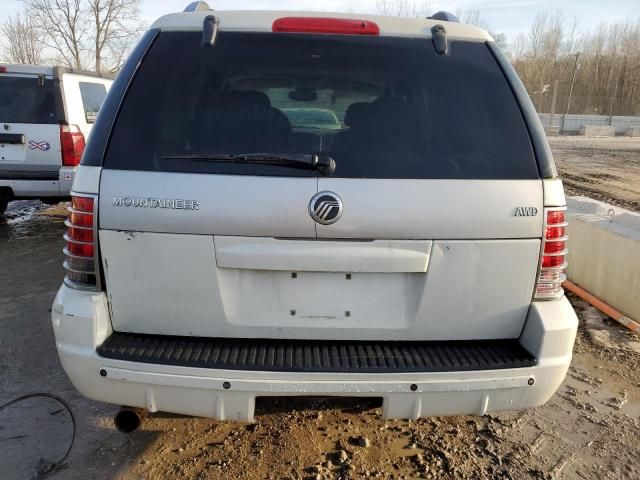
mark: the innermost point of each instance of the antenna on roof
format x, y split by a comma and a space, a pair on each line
444, 17
198, 6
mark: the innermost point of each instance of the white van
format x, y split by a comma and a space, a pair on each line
218, 252
46, 114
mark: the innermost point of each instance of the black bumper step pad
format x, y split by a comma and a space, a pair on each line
317, 355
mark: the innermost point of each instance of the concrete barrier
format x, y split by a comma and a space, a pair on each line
552, 131
597, 131
604, 252
632, 132
571, 123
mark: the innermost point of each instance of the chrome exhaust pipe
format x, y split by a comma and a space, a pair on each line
129, 419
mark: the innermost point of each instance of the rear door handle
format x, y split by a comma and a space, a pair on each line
14, 138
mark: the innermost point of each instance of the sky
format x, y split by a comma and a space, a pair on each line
506, 16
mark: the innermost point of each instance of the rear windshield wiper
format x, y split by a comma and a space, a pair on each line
322, 163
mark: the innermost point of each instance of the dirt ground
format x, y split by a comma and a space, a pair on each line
606, 169
588, 430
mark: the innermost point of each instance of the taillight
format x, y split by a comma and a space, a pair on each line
336, 26
552, 261
81, 247
71, 145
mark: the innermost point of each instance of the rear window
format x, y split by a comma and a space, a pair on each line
381, 107
27, 99
92, 97
314, 118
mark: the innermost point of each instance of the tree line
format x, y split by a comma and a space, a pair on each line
597, 72
84, 34
605, 63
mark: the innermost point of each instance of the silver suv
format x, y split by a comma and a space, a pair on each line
46, 114
218, 252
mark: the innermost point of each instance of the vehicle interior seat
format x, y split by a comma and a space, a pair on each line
377, 132
245, 122
355, 116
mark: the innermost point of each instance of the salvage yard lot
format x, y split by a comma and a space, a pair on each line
588, 430
606, 168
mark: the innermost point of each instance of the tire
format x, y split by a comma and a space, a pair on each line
51, 200
4, 200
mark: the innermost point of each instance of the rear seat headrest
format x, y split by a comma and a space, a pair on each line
393, 111
257, 97
387, 103
246, 99
357, 113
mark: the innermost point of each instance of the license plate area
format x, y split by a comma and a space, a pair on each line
11, 153
320, 299
12, 147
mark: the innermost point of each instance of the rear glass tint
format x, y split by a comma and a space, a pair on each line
25, 99
381, 107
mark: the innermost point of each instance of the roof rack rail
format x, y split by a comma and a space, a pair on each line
198, 6
444, 16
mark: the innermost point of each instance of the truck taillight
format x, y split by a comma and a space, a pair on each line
81, 250
71, 145
552, 260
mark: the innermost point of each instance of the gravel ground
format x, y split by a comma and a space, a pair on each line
588, 430
606, 168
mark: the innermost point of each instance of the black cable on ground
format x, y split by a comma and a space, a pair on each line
56, 465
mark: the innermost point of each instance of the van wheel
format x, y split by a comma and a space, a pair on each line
4, 200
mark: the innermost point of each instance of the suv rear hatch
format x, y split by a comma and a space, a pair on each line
204, 232
29, 134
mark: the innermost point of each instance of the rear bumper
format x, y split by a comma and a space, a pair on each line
81, 324
56, 185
